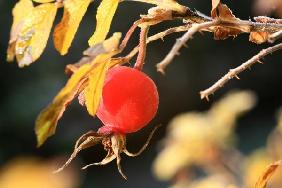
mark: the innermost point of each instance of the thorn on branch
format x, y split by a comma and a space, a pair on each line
181, 42
234, 72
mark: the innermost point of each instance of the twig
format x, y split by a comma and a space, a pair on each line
158, 36
275, 36
181, 42
142, 49
129, 34
234, 72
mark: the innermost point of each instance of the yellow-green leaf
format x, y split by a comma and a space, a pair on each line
104, 17
267, 174
20, 11
43, 1
65, 31
46, 122
34, 33
93, 91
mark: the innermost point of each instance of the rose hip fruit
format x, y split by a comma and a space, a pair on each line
129, 101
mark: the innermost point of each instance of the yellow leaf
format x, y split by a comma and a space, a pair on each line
64, 32
43, 1
20, 11
104, 16
46, 122
267, 174
34, 33
93, 91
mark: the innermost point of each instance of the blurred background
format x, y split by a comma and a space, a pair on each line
26, 91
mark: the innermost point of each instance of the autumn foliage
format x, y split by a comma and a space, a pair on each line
31, 29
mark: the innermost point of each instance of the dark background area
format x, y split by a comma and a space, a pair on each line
24, 92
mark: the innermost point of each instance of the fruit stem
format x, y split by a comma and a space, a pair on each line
142, 47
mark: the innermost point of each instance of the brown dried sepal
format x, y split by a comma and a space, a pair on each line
114, 144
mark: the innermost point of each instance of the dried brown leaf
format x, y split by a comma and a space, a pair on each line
258, 37
215, 4
225, 14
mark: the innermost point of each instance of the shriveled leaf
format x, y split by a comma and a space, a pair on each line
215, 4
104, 17
93, 91
20, 12
225, 14
267, 174
43, 1
46, 122
166, 4
258, 37
34, 33
155, 15
65, 31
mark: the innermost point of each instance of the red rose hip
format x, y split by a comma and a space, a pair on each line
129, 101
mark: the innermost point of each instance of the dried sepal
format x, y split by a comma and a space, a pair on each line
65, 31
85, 141
267, 174
104, 16
34, 33
114, 144
144, 146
